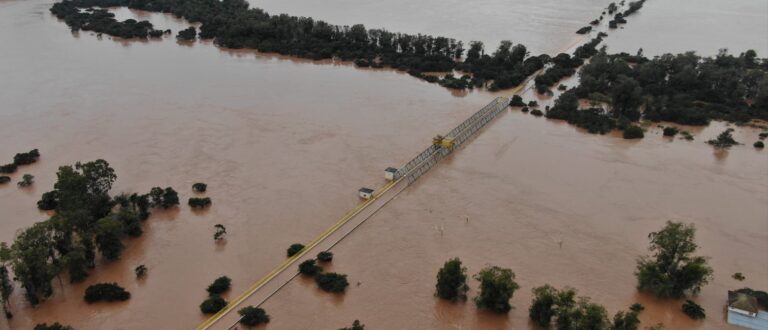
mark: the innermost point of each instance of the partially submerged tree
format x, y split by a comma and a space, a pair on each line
672, 269
497, 285
356, 325
325, 256
693, 310
219, 286
199, 187
724, 140
332, 282
294, 249
452, 280
221, 231
106, 292
309, 268
213, 304
252, 316
26, 180
140, 271
54, 326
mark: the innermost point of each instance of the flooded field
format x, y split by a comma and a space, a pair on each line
704, 26
284, 145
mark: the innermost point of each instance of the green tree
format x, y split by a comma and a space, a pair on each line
625, 321
213, 304
252, 316
33, 261
693, 310
77, 264
106, 292
452, 280
672, 269
294, 249
108, 233
6, 288
332, 282
219, 286
26, 180
543, 305
309, 268
497, 285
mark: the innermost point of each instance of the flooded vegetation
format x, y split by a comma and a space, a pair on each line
532, 206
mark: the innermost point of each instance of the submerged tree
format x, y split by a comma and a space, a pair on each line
497, 285
452, 280
220, 232
252, 316
672, 269
724, 140
219, 286
213, 304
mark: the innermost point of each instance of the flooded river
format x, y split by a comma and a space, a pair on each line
284, 145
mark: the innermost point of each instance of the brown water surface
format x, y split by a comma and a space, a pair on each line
284, 145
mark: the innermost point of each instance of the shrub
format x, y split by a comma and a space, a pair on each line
724, 140
693, 310
213, 304
451, 280
332, 282
516, 101
633, 132
220, 232
26, 180
355, 326
670, 131
54, 326
497, 285
637, 307
738, 276
106, 292
199, 187
759, 145
294, 249
309, 268
219, 286
524, 109
195, 202
4, 179
533, 104
26, 158
585, 29
537, 112
325, 256
252, 316
140, 271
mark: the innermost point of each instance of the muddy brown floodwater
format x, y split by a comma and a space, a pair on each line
284, 145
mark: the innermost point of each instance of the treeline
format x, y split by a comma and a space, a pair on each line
87, 220
685, 89
22, 158
232, 24
565, 65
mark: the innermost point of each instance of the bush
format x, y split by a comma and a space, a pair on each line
497, 285
54, 326
26, 158
140, 271
670, 131
4, 179
533, 104
195, 202
637, 307
213, 304
584, 30
355, 326
537, 112
294, 249
252, 316
451, 280
219, 286
724, 140
199, 187
325, 256
309, 268
332, 282
516, 101
693, 310
26, 180
633, 132
759, 145
524, 109
106, 292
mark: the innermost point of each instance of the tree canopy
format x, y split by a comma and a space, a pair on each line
497, 285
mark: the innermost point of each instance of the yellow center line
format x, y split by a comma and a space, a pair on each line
287, 263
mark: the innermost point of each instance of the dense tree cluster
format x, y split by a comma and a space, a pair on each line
86, 220
232, 24
309, 267
106, 292
79, 15
6, 287
672, 269
452, 280
187, 34
684, 89
252, 316
563, 309
565, 65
